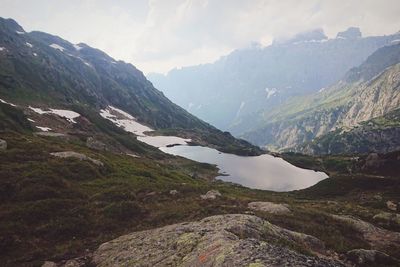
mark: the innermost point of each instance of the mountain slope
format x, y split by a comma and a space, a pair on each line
41, 69
380, 135
344, 105
257, 78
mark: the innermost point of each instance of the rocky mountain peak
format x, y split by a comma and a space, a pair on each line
10, 24
350, 33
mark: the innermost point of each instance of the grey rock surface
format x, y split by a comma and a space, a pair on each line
80, 156
387, 217
222, 240
49, 264
95, 144
3, 144
269, 207
173, 192
212, 194
377, 237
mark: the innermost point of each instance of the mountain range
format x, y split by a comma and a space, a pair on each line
258, 78
365, 92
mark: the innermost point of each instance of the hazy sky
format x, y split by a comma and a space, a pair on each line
158, 35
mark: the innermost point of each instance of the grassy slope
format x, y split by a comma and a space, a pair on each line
57, 208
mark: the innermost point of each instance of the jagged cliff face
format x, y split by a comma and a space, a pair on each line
381, 135
375, 98
247, 81
344, 105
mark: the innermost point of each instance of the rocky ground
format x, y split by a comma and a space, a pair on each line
222, 240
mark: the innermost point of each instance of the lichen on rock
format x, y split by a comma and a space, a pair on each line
221, 240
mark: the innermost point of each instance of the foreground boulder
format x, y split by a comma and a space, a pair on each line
222, 240
3, 144
269, 207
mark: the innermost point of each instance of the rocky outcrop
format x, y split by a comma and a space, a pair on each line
222, 240
80, 156
3, 144
377, 237
95, 144
49, 264
210, 195
269, 207
51, 134
391, 205
387, 218
173, 192
364, 257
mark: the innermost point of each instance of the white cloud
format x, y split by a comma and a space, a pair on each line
158, 35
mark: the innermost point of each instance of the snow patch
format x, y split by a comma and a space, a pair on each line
395, 41
30, 120
2, 48
311, 41
270, 92
128, 123
20, 32
81, 59
69, 115
163, 141
77, 47
8, 103
44, 129
321, 90
57, 47
28, 44
38, 110
126, 114
35, 54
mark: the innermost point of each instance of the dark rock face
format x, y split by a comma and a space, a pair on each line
364, 257
222, 240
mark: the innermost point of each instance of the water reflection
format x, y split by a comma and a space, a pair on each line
260, 172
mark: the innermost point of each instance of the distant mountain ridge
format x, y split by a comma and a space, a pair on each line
247, 81
368, 91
